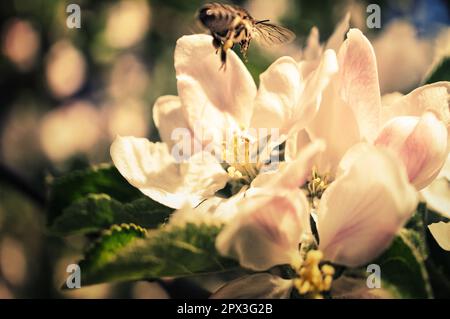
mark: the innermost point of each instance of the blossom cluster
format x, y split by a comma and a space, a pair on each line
347, 172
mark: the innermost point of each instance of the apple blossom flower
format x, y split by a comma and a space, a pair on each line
215, 102
358, 214
414, 126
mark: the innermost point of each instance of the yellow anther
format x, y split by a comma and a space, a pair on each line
235, 147
328, 270
305, 287
237, 156
326, 285
314, 256
316, 186
312, 279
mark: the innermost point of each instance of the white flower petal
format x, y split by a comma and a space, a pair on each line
150, 168
336, 39
433, 97
278, 94
295, 143
311, 96
363, 208
313, 48
255, 286
168, 116
445, 171
267, 230
437, 196
441, 232
334, 115
213, 99
292, 174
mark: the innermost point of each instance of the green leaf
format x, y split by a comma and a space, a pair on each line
171, 251
108, 245
104, 178
441, 72
98, 211
417, 230
403, 269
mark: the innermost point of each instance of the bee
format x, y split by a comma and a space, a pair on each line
230, 25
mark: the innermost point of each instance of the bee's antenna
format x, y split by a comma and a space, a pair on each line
262, 21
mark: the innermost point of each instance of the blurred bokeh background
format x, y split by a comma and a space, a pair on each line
66, 93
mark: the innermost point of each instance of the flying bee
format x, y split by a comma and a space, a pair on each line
230, 25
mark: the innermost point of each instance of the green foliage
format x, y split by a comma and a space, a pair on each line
403, 270
171, 251
99, 211
77, 184
441, 72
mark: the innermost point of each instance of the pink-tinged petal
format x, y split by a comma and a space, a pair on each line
255, 286
358, 79
441, 232
212, 99
363, 208
337, 38
151, 168
168, 116
421, 143
278, 94
267, 230
433, 97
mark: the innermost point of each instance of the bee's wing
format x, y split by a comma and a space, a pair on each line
270, 34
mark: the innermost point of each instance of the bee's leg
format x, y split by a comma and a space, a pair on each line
223, 59
244, 47
217, 43
223, 53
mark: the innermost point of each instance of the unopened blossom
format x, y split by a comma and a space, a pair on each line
216, 102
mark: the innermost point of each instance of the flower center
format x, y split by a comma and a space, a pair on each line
241, 165
316, 185
313, 280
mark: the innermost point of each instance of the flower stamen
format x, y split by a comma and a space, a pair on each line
316, 186
238, 161
313, 280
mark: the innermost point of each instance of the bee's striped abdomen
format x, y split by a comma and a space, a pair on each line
217, 17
